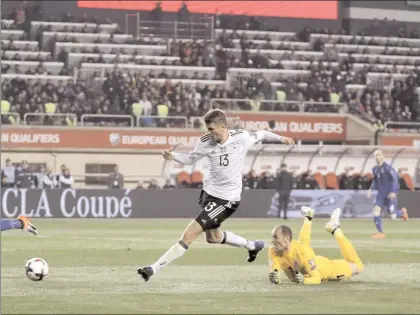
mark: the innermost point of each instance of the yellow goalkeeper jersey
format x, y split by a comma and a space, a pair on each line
301, 258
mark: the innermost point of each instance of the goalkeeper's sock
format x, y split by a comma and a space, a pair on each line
305, 231
347, 249
378, 223
11, 224
172, 253
232, 239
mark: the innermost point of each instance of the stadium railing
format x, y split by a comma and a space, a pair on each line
41, 77
51, 66
250, 34
83, 37
162, 122
16, 117
7, 22
196, 27
152, 50
100, 119
383, 58
371, 48
60, 26
11, 34
379, 39
20, 44
145, 69
291, 64
99, 75
316, 55
324, 107
393, 126
293, 45
66, 119
74, 58
26, 54
231, 104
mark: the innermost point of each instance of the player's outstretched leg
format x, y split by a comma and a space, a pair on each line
21, 222
305, 232
378, 222
347, 250
192, 231
403, 214
229, 238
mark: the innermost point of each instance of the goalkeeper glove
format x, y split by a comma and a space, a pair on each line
299, 278
274, 277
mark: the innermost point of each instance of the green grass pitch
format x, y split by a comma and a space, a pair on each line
93, 267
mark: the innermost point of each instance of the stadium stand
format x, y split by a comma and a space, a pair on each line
374, 77
88, 72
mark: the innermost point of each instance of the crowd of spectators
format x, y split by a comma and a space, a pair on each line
30, 175
120, 90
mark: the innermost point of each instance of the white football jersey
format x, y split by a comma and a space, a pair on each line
226, 162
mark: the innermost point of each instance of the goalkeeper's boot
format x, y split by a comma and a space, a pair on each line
145, 273
27, 225
404, 214
252, 254
307, 212
334, 222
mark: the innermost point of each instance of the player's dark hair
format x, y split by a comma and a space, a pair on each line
215, 116
286, 231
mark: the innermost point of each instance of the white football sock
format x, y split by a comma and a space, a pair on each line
232, 239
171, 254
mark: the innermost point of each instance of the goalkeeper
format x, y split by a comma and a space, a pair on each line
297, 259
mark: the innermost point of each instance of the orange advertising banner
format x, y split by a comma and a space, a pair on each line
95, 138
401, 140
288, 9
320, 128
299, 127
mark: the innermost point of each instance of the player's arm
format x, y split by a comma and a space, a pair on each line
254, 137
374, 185
185, 158
274, 266
313, 275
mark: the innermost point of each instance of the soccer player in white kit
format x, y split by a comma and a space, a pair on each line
226, 150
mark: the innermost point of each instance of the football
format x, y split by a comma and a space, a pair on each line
36, 269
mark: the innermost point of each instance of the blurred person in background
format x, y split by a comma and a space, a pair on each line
168, 185
8, 175
284, 187
403, 184
346, 180
140, 185
308, 181
266, 181
48, 180
62, 169
24, 178
65, 180
251, 180
153, 184
116, 179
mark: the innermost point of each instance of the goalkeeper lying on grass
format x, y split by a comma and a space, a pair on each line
297, 259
